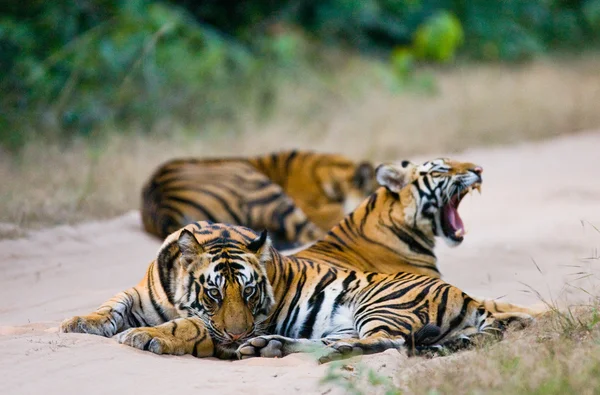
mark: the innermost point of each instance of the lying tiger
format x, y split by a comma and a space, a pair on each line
296, 196
394, 230
220, 290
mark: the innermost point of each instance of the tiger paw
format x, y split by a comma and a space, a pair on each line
150, 339
339, 350
94, 324
261, 346
514, 320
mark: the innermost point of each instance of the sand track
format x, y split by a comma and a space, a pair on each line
537, 205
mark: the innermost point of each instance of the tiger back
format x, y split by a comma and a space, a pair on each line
297, 196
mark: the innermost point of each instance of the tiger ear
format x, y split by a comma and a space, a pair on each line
261, 245
394, 177
189, 247
364, 176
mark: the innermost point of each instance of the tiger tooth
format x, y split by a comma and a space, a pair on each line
478, 187
459, 233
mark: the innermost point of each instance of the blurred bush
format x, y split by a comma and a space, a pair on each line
72, 67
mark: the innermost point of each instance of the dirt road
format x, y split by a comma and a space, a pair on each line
539, 203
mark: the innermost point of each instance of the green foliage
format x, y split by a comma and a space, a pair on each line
403, 63
517, 29
141, 60
591, 14
69, 67
403, 68
439, 37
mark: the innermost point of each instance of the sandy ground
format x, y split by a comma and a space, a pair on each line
537, 205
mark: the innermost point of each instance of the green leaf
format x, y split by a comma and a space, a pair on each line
439, 37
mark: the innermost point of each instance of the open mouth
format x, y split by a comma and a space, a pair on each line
452, 225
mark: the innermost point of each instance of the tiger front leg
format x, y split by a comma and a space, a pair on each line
110, 318
176, 337
483, 327
464, 340
347, 348
276, 346
325, 350
509, 313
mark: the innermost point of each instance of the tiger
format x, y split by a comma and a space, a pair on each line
395, 229
297, 196
224, 290
218, 290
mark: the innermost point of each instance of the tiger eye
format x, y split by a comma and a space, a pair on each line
214, 292
248, 291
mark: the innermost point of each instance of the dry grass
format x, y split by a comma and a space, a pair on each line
354, 112
545, 358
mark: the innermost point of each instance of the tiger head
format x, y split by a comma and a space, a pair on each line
430, 194
223, 281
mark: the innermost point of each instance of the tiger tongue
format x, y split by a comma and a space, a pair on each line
454, 220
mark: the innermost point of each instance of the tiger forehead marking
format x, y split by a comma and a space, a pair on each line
446, 165
216, 238
225, 268
225, 253
433, 165
229, 260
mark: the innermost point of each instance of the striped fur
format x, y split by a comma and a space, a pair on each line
222, 290
296, 196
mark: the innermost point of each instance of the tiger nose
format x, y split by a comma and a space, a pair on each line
477, 169
235, 336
